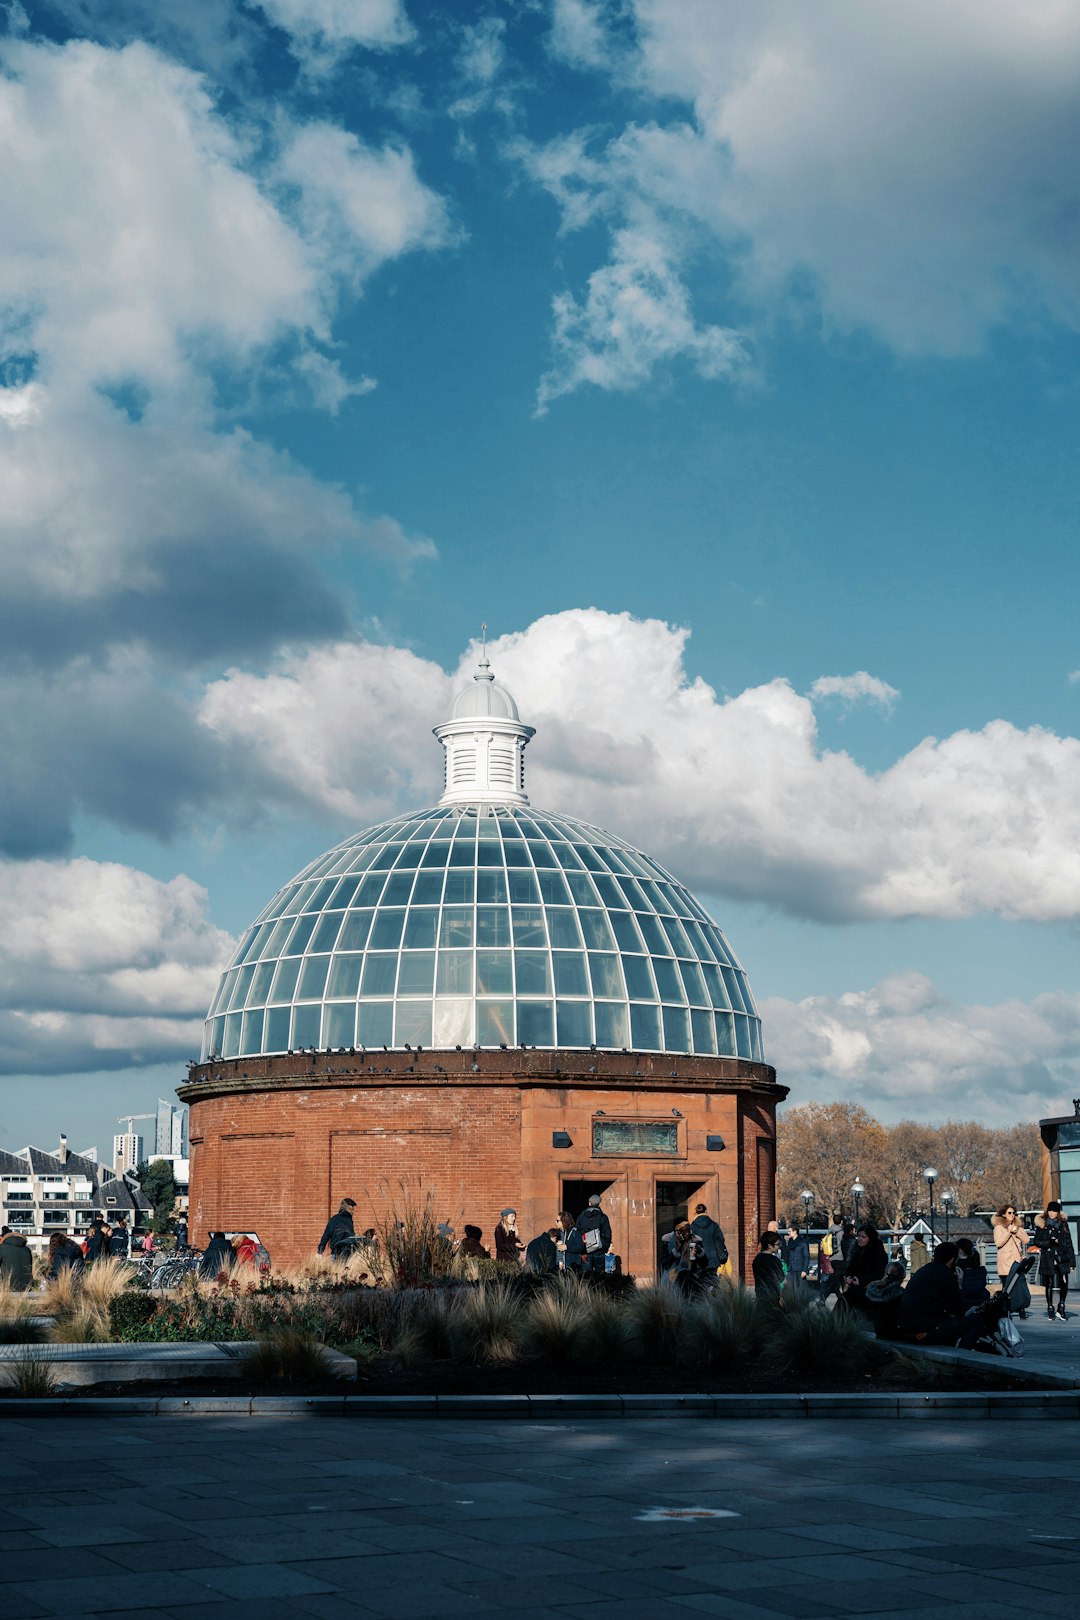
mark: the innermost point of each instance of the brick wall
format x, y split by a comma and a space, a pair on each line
275, 1151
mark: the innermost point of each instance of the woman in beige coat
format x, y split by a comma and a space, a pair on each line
1010, 1240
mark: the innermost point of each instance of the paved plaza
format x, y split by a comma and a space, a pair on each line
342, 1518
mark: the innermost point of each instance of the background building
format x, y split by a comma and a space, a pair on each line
500, 1006
44, 1192
127, 1151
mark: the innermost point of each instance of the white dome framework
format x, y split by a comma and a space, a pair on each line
482, 922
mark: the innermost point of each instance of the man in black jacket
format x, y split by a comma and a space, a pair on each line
541, 1255
595, 1229
932, 1311
710, 1235
340, 1232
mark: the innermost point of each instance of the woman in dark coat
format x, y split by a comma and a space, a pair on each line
508, 1244
866, 1264
1057, 1258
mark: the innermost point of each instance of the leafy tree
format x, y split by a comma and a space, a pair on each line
159, 1186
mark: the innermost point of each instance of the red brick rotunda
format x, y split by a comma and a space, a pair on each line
501, 1006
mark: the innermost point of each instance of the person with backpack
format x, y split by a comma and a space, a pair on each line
595, 1229
710, 1235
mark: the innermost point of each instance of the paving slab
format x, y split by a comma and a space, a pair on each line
542, 1519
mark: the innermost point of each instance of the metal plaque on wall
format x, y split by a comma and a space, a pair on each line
634, 1136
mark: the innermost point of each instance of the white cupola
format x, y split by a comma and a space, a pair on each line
485, 743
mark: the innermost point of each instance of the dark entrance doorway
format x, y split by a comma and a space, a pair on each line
576, 1194
674, 1200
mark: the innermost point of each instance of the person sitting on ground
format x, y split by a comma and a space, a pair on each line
931, 1311
471, 1246
339, 1232
16, 1261
866, 1265
768, 1267
217, 1257
542, 1254
595, 1229
882, 1300
64, 1255
972, 1274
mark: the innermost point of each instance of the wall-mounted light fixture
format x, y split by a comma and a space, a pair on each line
561, 1139
715, 1144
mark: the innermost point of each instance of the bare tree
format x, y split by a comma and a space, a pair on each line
823, 1147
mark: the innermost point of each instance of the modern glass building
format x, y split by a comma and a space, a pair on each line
483, 922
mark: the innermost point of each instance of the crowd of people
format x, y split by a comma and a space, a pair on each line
935, 1295
694, 1251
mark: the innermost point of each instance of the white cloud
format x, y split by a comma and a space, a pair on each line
359, 205
131, 267
322, 30
102, 965
903, 1048
365, 711
1074, 676
908, 167
329, 386
115, 530
857, 688
736, 795
124, 251
636, 316
578, 33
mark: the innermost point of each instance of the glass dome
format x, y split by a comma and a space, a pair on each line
489, 925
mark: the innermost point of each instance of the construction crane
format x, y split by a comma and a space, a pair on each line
129, 1120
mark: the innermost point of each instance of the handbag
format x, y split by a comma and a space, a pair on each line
1008, 1339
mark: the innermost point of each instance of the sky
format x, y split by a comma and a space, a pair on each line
721, 358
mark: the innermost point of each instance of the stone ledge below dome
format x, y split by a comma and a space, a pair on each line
646, 1070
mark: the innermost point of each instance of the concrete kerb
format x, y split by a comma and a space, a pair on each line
993, 1404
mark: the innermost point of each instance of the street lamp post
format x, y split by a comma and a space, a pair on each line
930, 1176
946, 1204
808, 1204
857, 1190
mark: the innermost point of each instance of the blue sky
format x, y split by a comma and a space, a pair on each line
722, 358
